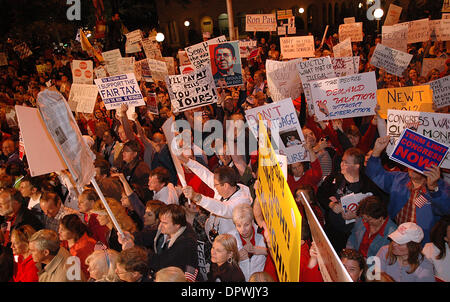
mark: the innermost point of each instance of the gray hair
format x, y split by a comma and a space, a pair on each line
243, 211
46, 240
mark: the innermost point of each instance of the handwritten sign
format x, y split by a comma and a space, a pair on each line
262, 22
411, 98
417, 151
283, 79
441, 92
151, 48
429, 64
418, 31
343, 49
134, 37
158, 69
82, 72
120, 89
354, 31
183, 58
192, 90
349, 20
198, 54
393, 14
343, 97
392, 60
345, 66
247, 47
82, 97
125, 65
110, 58
297, 47
395, 36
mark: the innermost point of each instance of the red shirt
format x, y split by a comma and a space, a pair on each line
311, 177
308, 274
25, 270
252, 241
82, 249
367, 239
98, 231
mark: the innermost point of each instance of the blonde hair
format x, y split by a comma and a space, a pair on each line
125, 221
108, 271
230, 245
261, 277
170, 274
23, 233
243, 212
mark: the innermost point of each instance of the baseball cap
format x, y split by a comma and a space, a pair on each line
406, 232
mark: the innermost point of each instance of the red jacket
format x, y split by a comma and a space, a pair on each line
311, 177
82, 249
98, 231
308, 274
25, 270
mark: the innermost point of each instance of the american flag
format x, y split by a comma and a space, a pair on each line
420, 201
191, 273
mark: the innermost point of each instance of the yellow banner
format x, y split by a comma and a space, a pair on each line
280, 212
411, 98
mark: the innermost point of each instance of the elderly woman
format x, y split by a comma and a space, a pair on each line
25, 270
250, 244
402, 259
102, 265
225, 259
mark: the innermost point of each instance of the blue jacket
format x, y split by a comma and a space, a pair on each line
395, 183
357, 235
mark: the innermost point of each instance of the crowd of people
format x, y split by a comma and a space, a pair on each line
213, 229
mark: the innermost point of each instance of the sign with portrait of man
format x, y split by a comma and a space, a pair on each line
225, 62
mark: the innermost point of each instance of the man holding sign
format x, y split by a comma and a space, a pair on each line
414, 197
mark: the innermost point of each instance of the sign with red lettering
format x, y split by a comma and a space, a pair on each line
343, 97
417, 151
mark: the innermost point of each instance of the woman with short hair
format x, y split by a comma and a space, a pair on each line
225, 260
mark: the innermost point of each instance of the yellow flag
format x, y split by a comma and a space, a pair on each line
87, 46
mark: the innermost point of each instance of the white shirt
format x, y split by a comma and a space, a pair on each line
34, 202
441, 266
168, 194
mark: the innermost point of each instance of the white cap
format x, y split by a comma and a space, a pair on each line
406, 232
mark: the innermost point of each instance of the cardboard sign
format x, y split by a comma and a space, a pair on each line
411, 98
343, 49
280, 212
110, 58
42, 154
198, 54
297, 47
132, 48
418, 31
429, 64
354, 31
417, 152
395, 36
283, 79
158, 69
100, 72
134, 37
432, 125
82, 97
188, 91
226, 63
285, 22
313, 70
82, 72
151, 48
393, 14
125, 65
345, 66
247, 47
393, 61
120, 89
285, 128
263, 22
152, 103
349, 20
441, 92
343, 97
183, 58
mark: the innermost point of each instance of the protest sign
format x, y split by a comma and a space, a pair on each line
313, 70
441, 92
349, 20
118, 90
393, 14
343, 49
23, 50
283, 79
134, 37
345, 66
285, 128
132, 48
82, 97
158, 69
354, 31
417, 152
82, 72
330, 264
3, 59
435, 126
125, 65
280, 212
142, 71
350, 203
186, 69
393, 61
183, 58
226, 63
42, 155
262, 22
418, 31
395, 36
198, 54
247, 47
100, 72
110, 58
151, 48
445, 30
297, 47
411, 98
343, 97
446, 6
41, 69
152, 103
21, 146
429, 64
435, 30
285, 22
170, 64
192, 90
